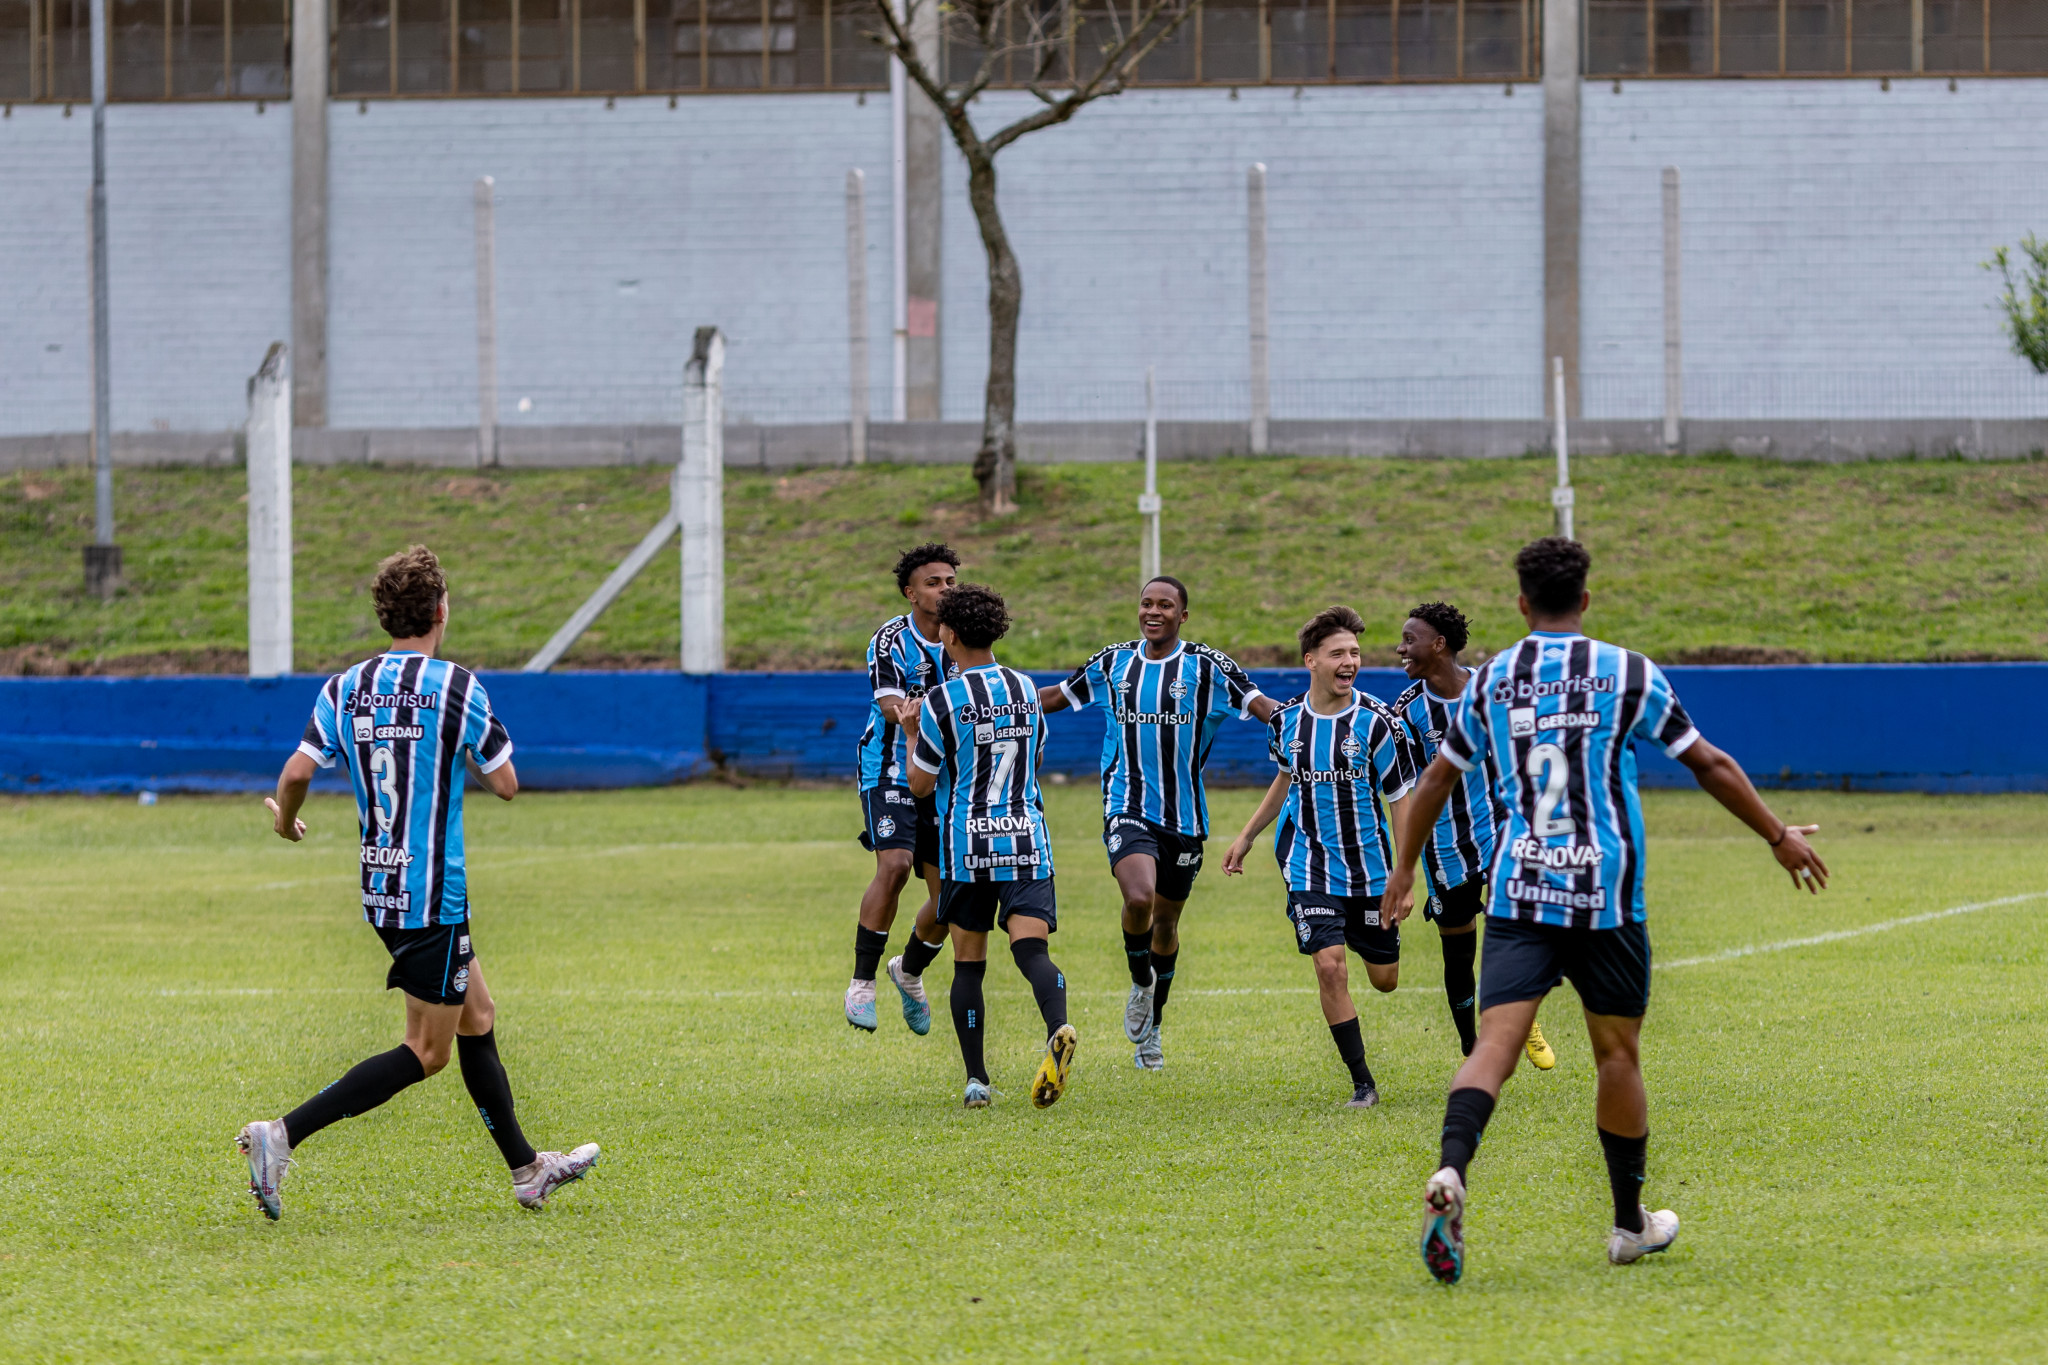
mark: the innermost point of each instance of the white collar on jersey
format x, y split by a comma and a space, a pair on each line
910, 624
1356, 697
1180, 647
1447, 701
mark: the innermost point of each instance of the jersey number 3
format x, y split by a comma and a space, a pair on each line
1550, 765
384, 768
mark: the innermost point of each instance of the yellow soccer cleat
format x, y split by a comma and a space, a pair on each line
1538, 1050
1051, 1081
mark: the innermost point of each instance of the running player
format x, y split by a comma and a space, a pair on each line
979, 743
405, 725
1166, 699
1461, 847
904, 659
1557, 713
1339, 751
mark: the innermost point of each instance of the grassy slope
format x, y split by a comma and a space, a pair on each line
1865, 561
1857, 1159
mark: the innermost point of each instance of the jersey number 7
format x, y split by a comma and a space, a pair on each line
1005, 751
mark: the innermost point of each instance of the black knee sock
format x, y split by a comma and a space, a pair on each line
1162, 978
967, 1016
1459, 986
1048, 982
918, 955
1138, 953
868, 947
1465, 1116
1351, 1047
1625, 1160
368, 1084
485, 1076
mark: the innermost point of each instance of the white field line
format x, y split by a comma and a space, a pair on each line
1836, 936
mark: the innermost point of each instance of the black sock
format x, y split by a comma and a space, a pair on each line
1048, 982
868, 947
1351, 1047
485, 1076
1138, 953
967, 1016
1162, 979
1459, 986
918, 955
1625, 1160
368, 1084
1465, 1116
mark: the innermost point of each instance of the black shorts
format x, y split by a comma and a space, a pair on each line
896, 819
1322, 921
981, 906
1459, 906
429, 964
1179, 856
1610, 968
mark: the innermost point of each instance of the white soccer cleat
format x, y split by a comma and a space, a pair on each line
1660, 1230
270, 1155
532, 1185
917, 1009
1138, 1010
1443, 1225
1150, 1057
860, 1005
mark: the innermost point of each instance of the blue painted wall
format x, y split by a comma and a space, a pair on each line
1903, 727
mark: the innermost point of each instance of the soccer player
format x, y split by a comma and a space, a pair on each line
1166, 699
904, 660
1339, 751
1557, 713
1461, 846
405, 725
980, 738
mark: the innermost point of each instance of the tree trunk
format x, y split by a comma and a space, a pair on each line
995, 464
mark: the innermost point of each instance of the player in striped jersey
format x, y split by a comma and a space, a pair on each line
405, 726
1340, 752
1166, 700
904, 660
980, 738
1461, 846
1558, 713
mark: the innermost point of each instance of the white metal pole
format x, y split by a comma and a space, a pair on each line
857, 314
698, 496
268, 436
1148, 502
1561, 496
1255, 196
899, 245
1674, 360
486, 324
102, 349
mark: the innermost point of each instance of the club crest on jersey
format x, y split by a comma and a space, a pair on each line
1351, 747
1302, 929
885, 827
1177, 689
1116, 841
461, 982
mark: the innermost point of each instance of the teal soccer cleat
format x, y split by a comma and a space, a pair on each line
917, 1010
860, 1005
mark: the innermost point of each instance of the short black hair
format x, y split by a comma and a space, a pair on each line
1447, 621
1177, 585
1553, 574
975, 613
931, 552
1327, 622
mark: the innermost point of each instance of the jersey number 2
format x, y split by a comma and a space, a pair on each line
384, 767
1005, 751
1554, 768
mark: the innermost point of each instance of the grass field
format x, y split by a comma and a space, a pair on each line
1700, 558
1851, 1129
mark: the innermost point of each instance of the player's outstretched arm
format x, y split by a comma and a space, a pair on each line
292, 784
501, 781
1266, 814
1261, 708
1414, 817
1722, 778
1051, 699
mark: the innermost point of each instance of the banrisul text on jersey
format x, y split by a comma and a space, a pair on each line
1163, 715
401, 724
1333, 835
1461, 846
982, 734
901, 663
1558, 715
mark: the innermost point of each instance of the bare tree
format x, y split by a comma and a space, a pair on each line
1067, 54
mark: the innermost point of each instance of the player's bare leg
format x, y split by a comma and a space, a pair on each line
877, 915
1137, 877
1333, 991
1502, 1031
906, 969
1165, 955
1623, 1113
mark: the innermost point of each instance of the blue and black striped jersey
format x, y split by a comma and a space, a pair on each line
1461, 846
1333, 835
1162, 722
901, 663
1558, 714
982, 733
400, 723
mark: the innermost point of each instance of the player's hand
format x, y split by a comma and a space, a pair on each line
296, 832
1797, 857
1399, 900
1234, 856
907, 713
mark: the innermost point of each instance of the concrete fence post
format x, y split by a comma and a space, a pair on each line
1255, 196
1148, 501
486, 324
268, 436
857, 315
103, 556
1561, 497
1674, 359
698, 496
